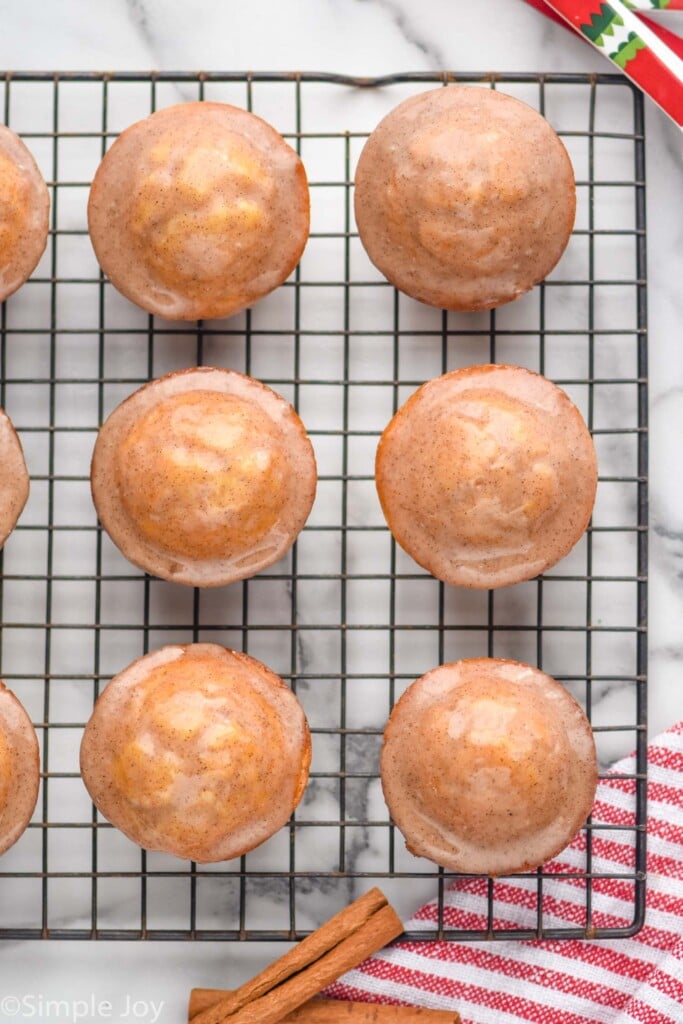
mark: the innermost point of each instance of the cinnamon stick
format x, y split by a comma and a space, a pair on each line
329, 1011
270, 1008
340, 928
203, 998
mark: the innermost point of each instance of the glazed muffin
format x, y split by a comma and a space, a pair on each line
197, 751
487, 476
488, 767
465, 198
24, 213
198, 211
14, 478
203, 477
19, 769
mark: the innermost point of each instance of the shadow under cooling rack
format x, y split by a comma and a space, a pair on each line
347, 618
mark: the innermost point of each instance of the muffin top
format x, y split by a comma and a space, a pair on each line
204, 476
198, 211
19, 769
464, 197
24, 213
197, 751
488, 766
487, 475
14, 479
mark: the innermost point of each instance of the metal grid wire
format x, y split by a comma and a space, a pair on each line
346, 617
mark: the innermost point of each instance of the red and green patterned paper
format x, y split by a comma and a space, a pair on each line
614, 29
673, 41
654, 5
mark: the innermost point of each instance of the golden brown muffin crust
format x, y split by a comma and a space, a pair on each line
24, 213
204, 476
464, 197
198, 211
197, 751
488, 766
487, 475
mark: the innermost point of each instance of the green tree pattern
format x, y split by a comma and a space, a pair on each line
657, 5
628, 50
602, 24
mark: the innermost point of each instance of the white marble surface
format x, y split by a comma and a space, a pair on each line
363, 37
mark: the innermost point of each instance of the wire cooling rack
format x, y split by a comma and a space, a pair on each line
346, 617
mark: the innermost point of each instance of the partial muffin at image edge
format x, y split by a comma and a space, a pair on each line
24, 213
488, 767
19, 769
464, 197
198, 211
197, 751
14, 478
203, 477
487, 475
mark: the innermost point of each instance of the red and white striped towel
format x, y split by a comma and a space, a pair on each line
627, 981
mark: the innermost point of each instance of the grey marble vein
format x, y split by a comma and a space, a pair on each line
409, 24
138, 14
